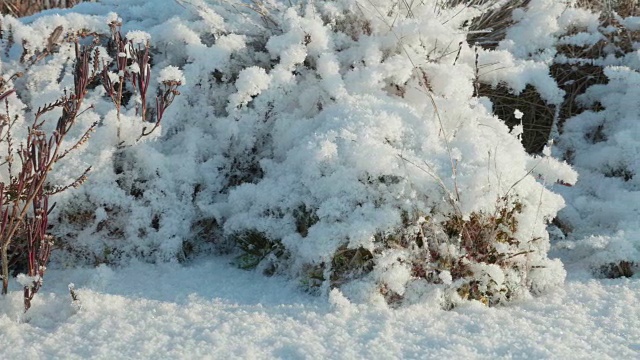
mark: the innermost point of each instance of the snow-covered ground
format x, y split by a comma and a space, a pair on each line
212, 310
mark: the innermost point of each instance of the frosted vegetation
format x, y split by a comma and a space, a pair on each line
350, 145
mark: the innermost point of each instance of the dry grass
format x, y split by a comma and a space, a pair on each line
581, 70
575, 80
618, 270
575, 75
488, 29
538, 116
623, 8
20, 8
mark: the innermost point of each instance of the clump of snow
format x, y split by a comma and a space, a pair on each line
134, 68
518, 114
171, 74
251, 81
138, 37
27, 281
539, 25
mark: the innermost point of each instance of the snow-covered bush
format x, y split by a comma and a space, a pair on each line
42, 49
373, 160
593, 48
337, 142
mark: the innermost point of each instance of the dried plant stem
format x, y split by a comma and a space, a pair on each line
118, 110
26, 190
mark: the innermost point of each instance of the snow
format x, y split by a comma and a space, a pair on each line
321, 129
171, 74
210, 309
138, 37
